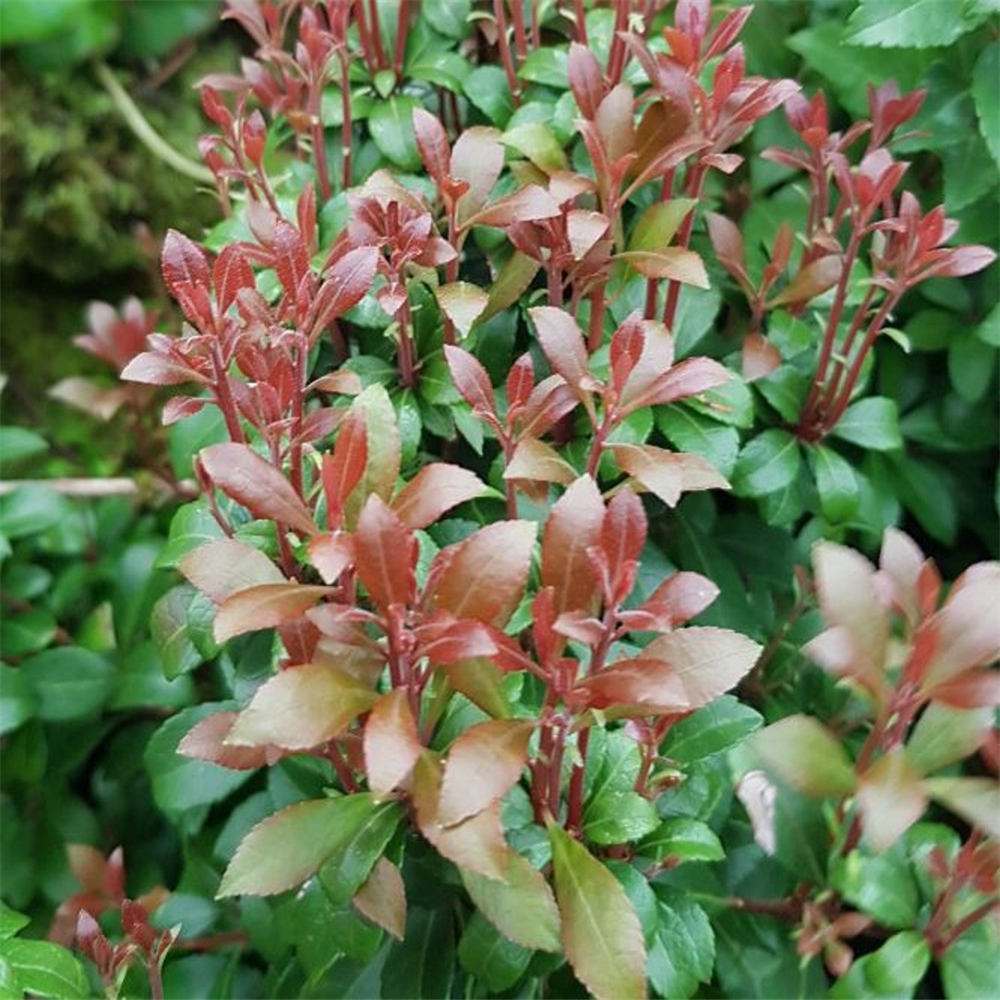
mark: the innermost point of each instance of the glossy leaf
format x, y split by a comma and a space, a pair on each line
391, 743
266, 605
385, 552
574, 525
225, 566
463, 303
382, 898
435, 489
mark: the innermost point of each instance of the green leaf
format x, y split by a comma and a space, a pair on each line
45, 969
548, 66
449, 17
391, 127
836, 483
27, 632
713, 729
486, 87
944, 735
538, 144
927, 490
600, 930
659, 223
804, 753
871, 423
30, 510
521, 906
182, 784
11, 921
491, 957
617, 817
422, 964
882, 886
909, 24
899, 965
682, 838
287, 848
18, 444
191, 527
168, 625
971, 365
767, 463
683, 952
70, 683
969, 967
785, 389
700, 435
986, 97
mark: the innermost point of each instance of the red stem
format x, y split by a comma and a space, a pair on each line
598, 304
402, 28
347, 129
298, 407
376, 34
407, 359
505, 57
155, 978
616, 55
319, 145
965, 923
653, 284
224, 398
695, 182
520, 38
581, 22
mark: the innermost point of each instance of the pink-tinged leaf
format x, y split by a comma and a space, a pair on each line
601, 934
484, 763
529, 204
548, 403
653, 468
331, 554
623, 531
580, 627
391, 744
539, 462
386, 554
760, 357
615, 122
520, 905
477, 844
265, 605
223, 567
563, 344
470, 379
812, 280
586, 80
976, 688
901, 562
432, 142
342, 382
256, 484
343, 469
689, 378
627, 345
891, 798
484, 576
183, 262
574, 525
230, 274
960, 261
88, 396
345, 284
967, 626
291, 256
976, 800
477, 159
435, 489
728, 30
675, 263
152, 368
677, 672
684, 595
848, 597
301, 708
802, 752
444, 639
463, 303
382, 899
584, 229
177, 408
206, 741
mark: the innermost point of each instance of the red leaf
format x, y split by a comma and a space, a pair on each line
256, 484
520, 381
477, 160
728, 31
686, 379
291, 257
230, 274
346, 283
382, 899
627, 344
180, 407
484, 763
386, 554
684, 595
623, 532
436, 488
960, 261
470, 379
223, 567
152, 368
548, 403
301, 708
432, 141
615, 122
677, 672
183, 262
675, 263
536, 461
727, 241
445, 640
265, 605
653, 468
343, 469
760, 357
331, 554
812, 280
342, 381
585, 79
205, 741
574, 525
484, 576
391, 744
563, 344
529, 204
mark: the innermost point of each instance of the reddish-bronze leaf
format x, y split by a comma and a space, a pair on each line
231, 273
477, 159
470, 379
812, 280
206, 741
686, 379
391, 743
432, 141
623, 531
223, 567
484, 763
344, 286
684, 595
331, 554
444, 639
385, 553
264, 605
537, 461
183, 262
585, 79
564, 346
484, 576
574, 525
300, 708
152, 368
382, 899
291, 257
256, 484
529, 204
677, 672
435, 489
343, 469
760, 357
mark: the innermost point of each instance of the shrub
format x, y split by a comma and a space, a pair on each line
486, 534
